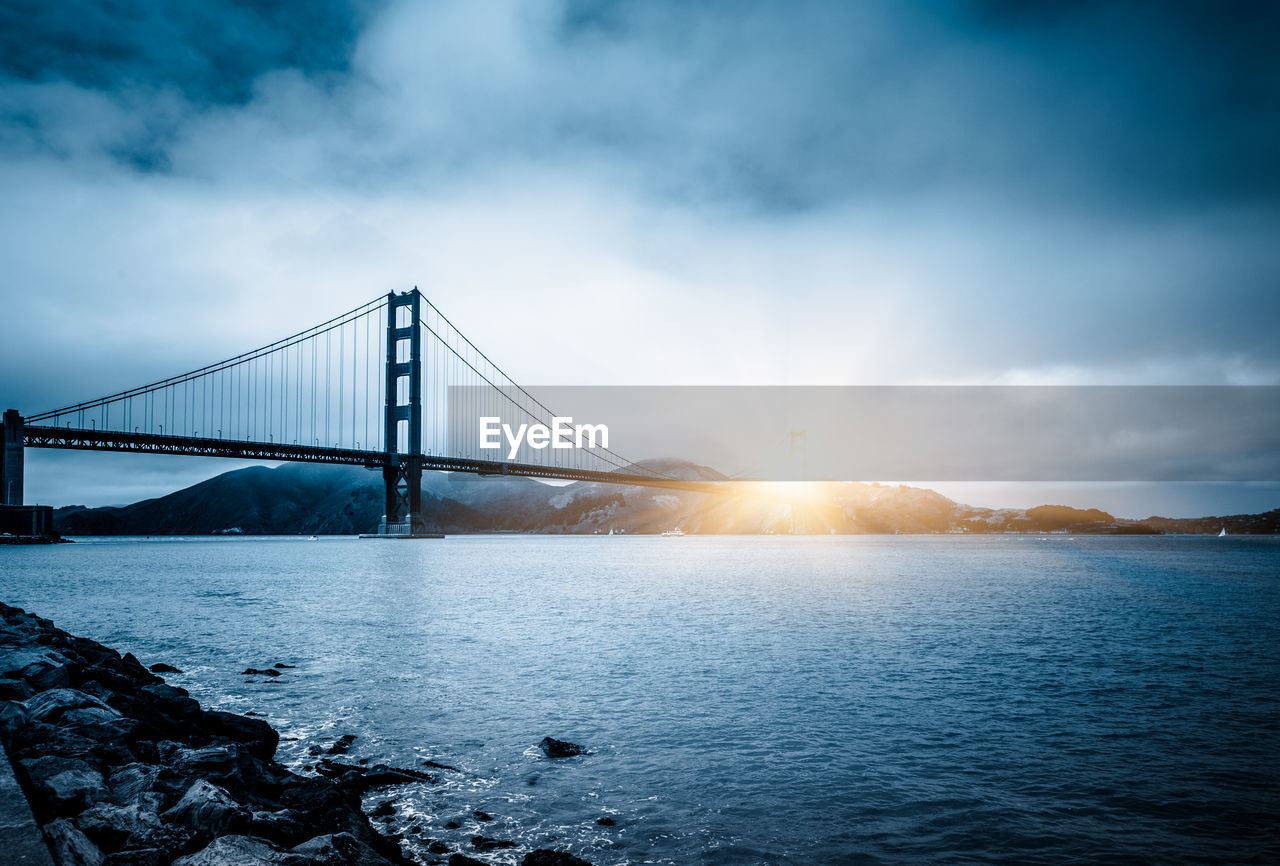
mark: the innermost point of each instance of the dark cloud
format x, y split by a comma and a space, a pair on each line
784, 106
210, 52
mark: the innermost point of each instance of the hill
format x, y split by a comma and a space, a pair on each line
342, 500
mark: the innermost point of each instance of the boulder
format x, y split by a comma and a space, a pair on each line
340, 849
258, 737
49, 706
554, 748
484, 843
136, 671
464, 860
359, 779
134, 781
12, 689
242, 851
38, 740
342, 746
14, 716
63, 786
70, 847
219, 763
282, 826
547, 857
133, 826
40, 668
162, 668
208, 811
138, 857
170, 699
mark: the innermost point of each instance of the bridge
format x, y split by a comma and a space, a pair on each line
392, 385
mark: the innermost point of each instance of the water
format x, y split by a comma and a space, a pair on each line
745, 700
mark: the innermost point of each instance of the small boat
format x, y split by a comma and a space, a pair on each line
611, 532
674, 533
314, 538
1223, 532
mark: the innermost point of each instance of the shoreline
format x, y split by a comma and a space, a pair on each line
118, 767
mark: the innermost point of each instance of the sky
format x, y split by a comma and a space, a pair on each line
641, 193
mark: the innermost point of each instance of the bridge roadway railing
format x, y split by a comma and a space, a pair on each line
157, 443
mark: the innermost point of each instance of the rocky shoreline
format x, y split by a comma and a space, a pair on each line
121, 768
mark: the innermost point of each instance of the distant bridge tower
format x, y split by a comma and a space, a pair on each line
402, 473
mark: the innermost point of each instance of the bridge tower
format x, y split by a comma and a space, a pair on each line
402, 473
11, 459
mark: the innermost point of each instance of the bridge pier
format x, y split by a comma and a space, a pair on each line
11, 460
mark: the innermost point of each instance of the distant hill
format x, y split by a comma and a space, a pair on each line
341, 500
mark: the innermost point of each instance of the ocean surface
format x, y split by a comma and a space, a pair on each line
904, 699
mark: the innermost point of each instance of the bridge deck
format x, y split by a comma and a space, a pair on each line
153, 443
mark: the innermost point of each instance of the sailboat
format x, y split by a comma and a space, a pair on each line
1223, 532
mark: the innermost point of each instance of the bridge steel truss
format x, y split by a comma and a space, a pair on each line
36, 436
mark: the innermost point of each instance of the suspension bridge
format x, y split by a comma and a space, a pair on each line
392, 385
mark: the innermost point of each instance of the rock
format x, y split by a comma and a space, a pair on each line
482, 816
238, 850
438, 847
134, 670
70, 847
554, 748
484, 843
464, 860
342, 746
265, 672
103, 725
440, 766
282, 826
606, 822
12, 689
40, 668
340, 849
138, 857
63, 786
452, 825
386, 807
162, 668
221, 763
135, 826
362, 779
171, 699
176, 777
547, 857
283, 666
38, 740
131, 782
259, 737
13, 718
49, 706
208, 811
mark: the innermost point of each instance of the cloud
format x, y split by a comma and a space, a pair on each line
658, 192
